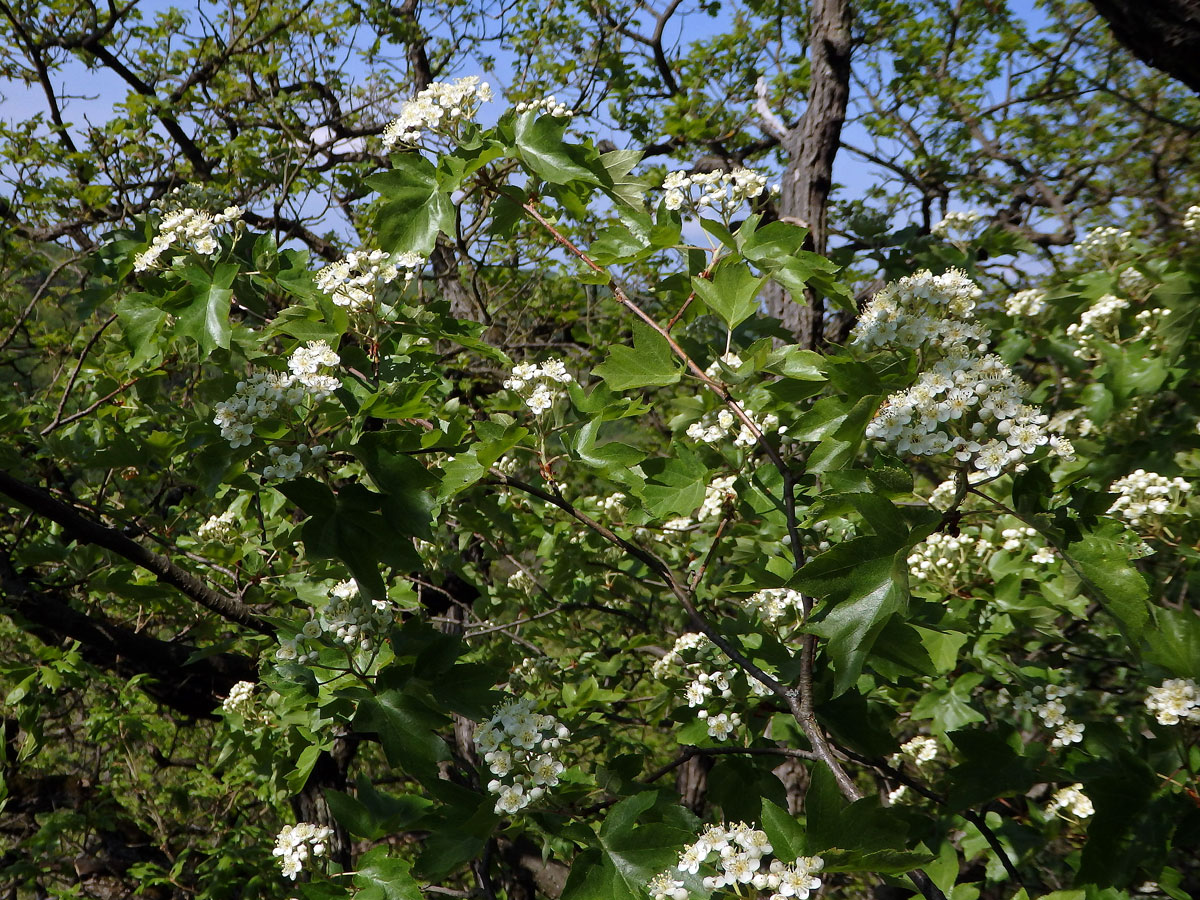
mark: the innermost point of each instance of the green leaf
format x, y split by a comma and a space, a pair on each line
628, 854
407, 730
732, 294
785, 833
373, 814
649, 362
675, 487
540, 145
206, 318
141, 321
1175, 642
863, 581
414, 209
303, 768
1101, 558
994, 765
882, 862
383, 877
949, 704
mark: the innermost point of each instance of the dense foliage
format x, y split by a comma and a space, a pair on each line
515, 551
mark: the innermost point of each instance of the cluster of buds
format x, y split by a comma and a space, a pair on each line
1145, 498
547, 106
219, 528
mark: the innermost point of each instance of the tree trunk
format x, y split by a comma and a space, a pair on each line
810, 148
1164, 34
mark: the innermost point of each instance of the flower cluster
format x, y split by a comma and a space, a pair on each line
440, 107
712, 682
941, 557
776, 606
713, 427
349, 618
1148, 321
1191, 220
265, 395
1134, 282
963, 404
738, 855
923, 310
717, 496
944, 560
1026, 303
920, 750
219, 529
723, 192
1147, 497
1047, 703
1175, 700
1104, 243
522, 582
538, 384
297, 843
1073, 800
519, 746
685, 645
1016, 540
1098, 323
956, 227
356, 280
186, 228
547, 106
240, 700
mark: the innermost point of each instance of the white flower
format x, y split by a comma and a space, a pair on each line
240, 699
920, 749
722, 192
1175, 700
1073, 800
186, 229
721, 726
1026, 303
1191, 220
299, 842
219, 528
1069, 733
439, 107
1104, 243
958, 227
538, 384
1146, 498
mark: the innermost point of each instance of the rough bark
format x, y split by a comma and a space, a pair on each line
810, 148
692, 783
1164, 34
310, 805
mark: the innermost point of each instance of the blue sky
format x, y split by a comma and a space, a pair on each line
94, 93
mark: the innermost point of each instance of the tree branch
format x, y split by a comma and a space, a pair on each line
89, 531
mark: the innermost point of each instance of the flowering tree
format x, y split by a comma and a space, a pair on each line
909, 612
521, 551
